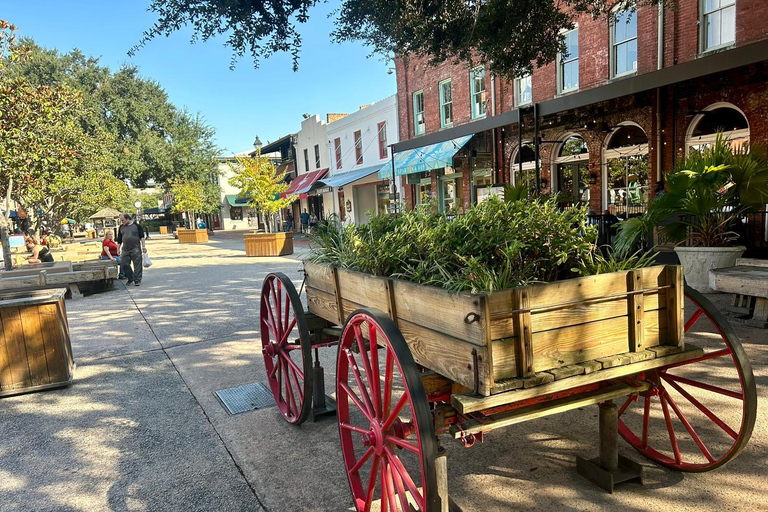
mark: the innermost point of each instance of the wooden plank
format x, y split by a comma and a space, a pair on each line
323, 305
674, 333
500, 386
751, 262
567, 371
17, 352
367, 290
524, 335
590, 366
635, 311
459, 315
33, 340
447, 356
472, 403
745, 280
319, 277
537, 380
435, 383
337, 295
614, 361
6, 376
55, 342
391, 304
542, 409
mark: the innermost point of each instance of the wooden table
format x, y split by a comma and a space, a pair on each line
748, 281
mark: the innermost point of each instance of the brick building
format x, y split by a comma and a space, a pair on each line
606, 120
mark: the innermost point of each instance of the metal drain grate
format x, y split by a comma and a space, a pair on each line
245, 398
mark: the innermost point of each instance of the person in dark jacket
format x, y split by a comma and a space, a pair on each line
40, 253
130, 238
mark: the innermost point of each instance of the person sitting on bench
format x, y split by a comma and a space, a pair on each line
40, 253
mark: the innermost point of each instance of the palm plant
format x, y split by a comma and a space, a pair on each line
704, 199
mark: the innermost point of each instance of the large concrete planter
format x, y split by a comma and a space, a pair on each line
192, 236
698, 261
268, 244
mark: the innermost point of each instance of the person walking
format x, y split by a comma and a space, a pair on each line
304, 217
130, 238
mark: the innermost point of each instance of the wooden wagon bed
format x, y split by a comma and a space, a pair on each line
579, 330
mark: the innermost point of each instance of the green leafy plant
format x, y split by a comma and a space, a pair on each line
495, 245
704, 198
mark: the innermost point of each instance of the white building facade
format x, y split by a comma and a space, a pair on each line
311, 157
358, 147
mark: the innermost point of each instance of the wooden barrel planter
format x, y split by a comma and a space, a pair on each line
268, 244
192, 236
35, 349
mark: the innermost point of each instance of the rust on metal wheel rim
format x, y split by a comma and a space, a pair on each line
703, 419
286, 347
385, 425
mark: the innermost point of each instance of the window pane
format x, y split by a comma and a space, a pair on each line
728, 28
572, 44
713, 29
571, 75
620, 27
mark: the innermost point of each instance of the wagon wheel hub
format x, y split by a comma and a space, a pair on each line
376, 436
270, 350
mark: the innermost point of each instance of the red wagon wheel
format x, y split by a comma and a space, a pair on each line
698, 414
286, 347
387, 437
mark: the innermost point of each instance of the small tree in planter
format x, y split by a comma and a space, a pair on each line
259, 181
705, 198
192, 196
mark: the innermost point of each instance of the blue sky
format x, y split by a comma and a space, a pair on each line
240, 104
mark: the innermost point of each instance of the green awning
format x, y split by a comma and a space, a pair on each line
232, 200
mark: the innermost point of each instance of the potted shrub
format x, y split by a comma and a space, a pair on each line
704, 201
190, 197
260, 183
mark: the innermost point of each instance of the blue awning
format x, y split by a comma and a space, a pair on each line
343, 178
434, 156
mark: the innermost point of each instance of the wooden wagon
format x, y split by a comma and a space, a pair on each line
415, 362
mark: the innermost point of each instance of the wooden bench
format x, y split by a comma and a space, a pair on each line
40, 276
748, 282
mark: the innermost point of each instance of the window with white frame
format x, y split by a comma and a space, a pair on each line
477, 88
446, 104
419, 124
306, 159
317, 156
627, 174
382, 129
568, 63
358, 147
523, 90
718, 23
624, 43
337, 150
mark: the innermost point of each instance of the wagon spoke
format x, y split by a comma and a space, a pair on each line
367, 455
287, 332
670, 428
275, 367
402, 443
366, 367
412, 488
352, 396
709, 414
393, 415
353, 428
386, 474
353, 368
630, 399
372, 482
690, 428
298, 381
693, 319
705, 357
646, 417
279, 371
292, 365
374, 362
397, 480
388, 376
702, 385
275, 318
289, 391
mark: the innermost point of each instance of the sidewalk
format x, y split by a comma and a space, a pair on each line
141, 428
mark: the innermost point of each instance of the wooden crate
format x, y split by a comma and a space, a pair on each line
192, 236
163, 230
515, 338
268, 244
35, 350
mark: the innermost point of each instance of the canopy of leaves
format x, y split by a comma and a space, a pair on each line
508, 35
152, 139
195, 196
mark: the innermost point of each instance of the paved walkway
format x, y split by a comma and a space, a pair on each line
142, 430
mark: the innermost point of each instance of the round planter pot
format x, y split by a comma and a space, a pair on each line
698, 261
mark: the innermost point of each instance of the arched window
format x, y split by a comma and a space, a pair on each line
719, 118
528, 175
627, 175
572, 171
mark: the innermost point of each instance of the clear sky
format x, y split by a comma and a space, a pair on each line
240, 104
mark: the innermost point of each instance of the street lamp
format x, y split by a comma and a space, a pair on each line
137, 204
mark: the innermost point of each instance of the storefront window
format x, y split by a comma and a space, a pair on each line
236, 213
573, 171
383, 196
627, 171
424, 192
451, 194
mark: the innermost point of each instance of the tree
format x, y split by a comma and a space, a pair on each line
193, 196
259, 181
153, 139
506, 35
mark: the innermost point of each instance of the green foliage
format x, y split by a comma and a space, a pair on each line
613, 262
507, 34
495, 245
194, 196
705, 195
259, 181
148, 200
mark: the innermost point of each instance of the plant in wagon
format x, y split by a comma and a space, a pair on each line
259, 182
701, 210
